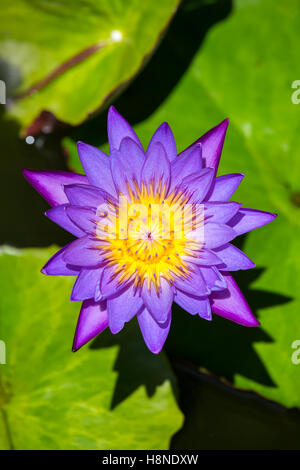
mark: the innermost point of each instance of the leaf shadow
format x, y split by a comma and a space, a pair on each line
135, 364
222, 347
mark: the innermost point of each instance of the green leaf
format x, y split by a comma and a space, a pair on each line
244, 70
70, 58
51, 398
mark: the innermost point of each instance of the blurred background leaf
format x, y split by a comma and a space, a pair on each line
70, 58
53, 399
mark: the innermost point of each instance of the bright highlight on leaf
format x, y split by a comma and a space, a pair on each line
73, 56
152, 228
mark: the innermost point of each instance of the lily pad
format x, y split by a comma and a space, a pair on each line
243, 70
70, 58
51, 398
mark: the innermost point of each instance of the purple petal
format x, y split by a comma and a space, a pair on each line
198, 184
109, 283
96, 167
156, 169
194, 305
158, 304
122, 308
212, 144
165, 136
92, 321
154, 334
133, 155
84, 252
126, 165
249, 219
83, 217
188, 162
117, 129
50, 184
202, 257
85, 284
193, 284
213, 278
56, 266
233, 259
58, 214
231, 304
224, 186
220, 212
86, 195
212, 235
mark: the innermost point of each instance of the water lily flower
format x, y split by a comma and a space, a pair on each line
152, 228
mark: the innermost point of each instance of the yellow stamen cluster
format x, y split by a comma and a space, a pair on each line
145, 235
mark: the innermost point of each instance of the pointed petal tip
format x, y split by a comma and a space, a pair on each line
223, 125
84, 147
250, 323
113, 112
112, 109
26, 172
270, 215
154, 348
81, 145
155, 351
76, 345
30, 176
165, 125
154, 334
50, 183
47, 212
212, 142
232, 305
118, 128
79, 343
254, 323
205, 318
44, 271
91, 322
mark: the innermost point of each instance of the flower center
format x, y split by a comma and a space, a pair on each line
146, 236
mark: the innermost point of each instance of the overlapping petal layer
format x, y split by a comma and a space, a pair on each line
152, 228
